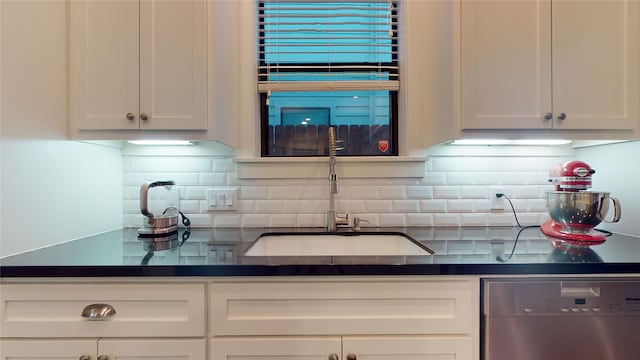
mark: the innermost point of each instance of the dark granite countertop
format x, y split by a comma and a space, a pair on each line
220, 252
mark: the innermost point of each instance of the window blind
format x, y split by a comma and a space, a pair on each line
316, 45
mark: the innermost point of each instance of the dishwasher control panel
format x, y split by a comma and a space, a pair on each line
562, 297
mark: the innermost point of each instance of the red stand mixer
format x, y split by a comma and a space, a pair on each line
574, 211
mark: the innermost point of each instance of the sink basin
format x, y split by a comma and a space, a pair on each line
336, 244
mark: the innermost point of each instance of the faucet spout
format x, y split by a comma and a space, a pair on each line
332, 216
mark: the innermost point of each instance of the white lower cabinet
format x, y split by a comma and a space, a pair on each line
231, 318
354, 319
104, 349
105, 321
347, 347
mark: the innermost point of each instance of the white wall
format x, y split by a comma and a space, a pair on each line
618, 172
51, 190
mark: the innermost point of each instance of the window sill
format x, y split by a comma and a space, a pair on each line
317, 167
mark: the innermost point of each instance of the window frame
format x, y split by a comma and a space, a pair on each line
393, 94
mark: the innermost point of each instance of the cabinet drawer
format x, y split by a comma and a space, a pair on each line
46, 310
400, 306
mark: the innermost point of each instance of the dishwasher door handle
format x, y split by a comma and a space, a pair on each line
574, 290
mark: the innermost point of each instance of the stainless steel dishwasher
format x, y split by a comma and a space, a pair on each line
561, 319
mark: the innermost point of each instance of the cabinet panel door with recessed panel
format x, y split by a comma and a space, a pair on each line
538, 64
137, 65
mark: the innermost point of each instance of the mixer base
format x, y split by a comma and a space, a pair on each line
556, 230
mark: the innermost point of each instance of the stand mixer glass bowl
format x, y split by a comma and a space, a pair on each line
579, 212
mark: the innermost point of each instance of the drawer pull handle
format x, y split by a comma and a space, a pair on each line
98, 312
103, 357
352, 357
333, 357
84, 357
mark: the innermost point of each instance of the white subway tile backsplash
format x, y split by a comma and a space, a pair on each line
433, 206
446, 192
198, 165
434, 178
377, 206
536, 205
255, 220
419, 192
405, 206
213, 179
487, 178
391, 192
226, 220
364, 192
304, 206
311, 220
391, 220
474, 219
474, 192
201, 220
445, 220
131, 207
269, 206
350, 206
282, 220
420, 219
190, 206
454, 192
458, 206
224, 165
501, 219
255, 192
193, 193
460, 178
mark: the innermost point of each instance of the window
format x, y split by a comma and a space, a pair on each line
328, 63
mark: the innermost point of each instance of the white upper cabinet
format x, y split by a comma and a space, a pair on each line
539, 64
138, 65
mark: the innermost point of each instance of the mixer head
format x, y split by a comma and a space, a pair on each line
571, 176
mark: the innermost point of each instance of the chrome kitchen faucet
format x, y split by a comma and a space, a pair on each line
333, 219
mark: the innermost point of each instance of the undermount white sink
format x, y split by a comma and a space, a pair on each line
336, 244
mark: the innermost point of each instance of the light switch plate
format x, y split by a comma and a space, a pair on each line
222, 199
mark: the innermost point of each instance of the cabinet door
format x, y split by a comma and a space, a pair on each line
187, 349
303, 348
48, 349
408, 348
506, 64
103, 64
595, 64
383, 306
173, 64
140, 310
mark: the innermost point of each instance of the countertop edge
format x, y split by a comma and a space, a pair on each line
316, 270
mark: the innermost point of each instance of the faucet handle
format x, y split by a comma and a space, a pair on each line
342, 220
357, 221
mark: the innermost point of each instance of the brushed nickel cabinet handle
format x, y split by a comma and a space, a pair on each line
333, 357
130, 116
562, 116
548, 116
103, 357
98, 312
84, 357
352, 357
144, 117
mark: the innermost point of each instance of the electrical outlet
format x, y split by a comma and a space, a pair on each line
497, 203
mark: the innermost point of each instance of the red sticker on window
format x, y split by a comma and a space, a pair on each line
383, 145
